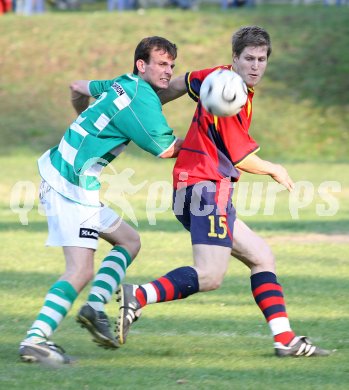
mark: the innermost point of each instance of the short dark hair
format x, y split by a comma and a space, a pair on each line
250, 36
146, 45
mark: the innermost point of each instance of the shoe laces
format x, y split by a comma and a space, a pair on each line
103, 319
55, 347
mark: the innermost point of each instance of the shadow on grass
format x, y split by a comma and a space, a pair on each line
172, 225
214, 346
299, 226
204, 363
32, 227
232, 285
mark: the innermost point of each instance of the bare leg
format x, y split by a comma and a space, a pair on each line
251, 249
211, 263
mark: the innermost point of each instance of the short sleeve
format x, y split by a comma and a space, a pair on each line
97, 87
144, 123
154, 135
244, 145
194, 79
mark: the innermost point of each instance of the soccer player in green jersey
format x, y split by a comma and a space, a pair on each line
126, 109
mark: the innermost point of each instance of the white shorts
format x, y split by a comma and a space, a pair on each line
73, 224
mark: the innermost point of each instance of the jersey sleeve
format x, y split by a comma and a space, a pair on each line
144, 124
97, 87
244, 145
155, 137
194, 79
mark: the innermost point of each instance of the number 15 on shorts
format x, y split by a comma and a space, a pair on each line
218, 227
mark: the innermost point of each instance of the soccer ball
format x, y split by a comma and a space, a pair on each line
223, 93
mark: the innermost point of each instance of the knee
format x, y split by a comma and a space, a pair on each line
265, 257
79, 276
215, 284
209, 281
133, 244
85, 273
86, 276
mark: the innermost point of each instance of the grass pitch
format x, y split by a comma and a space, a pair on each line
216, 340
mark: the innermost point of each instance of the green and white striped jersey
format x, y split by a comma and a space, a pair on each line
127, 109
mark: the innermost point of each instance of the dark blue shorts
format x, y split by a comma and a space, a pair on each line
207, 211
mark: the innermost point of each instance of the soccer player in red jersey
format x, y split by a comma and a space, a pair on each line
213, 153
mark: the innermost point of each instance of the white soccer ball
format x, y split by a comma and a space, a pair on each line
223, 93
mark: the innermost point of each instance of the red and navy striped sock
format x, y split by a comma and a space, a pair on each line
177, 284
269, 297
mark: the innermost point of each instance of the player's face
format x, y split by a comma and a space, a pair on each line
251, 64
158, 71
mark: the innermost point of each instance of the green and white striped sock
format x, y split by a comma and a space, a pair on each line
110, 274
58, 302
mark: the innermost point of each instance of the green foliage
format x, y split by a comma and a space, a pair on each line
301, 107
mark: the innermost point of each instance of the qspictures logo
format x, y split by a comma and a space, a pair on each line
250, 198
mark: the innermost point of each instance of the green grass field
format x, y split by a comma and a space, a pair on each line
218, 340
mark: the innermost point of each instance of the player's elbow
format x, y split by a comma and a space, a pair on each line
173, 151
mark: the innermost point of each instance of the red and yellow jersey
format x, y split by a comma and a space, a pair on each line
213, 145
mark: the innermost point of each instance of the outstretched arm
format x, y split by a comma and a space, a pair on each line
176, 89
80, 95
254, 164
